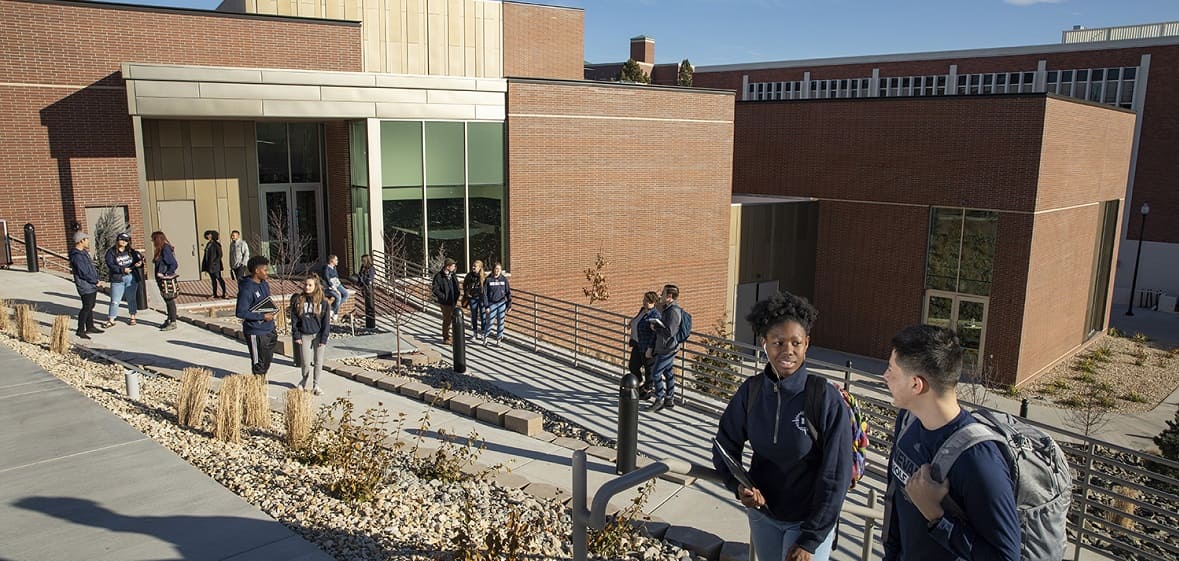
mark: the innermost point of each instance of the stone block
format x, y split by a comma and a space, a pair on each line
570, 443
227, 330
608, 454
545, 436
524, 422
678, 479
392, 383
369, 378
346, 371
546, 491
694, 540
465, 404
438, 397
509, 480
199, 322
734, 551
492, 413
413, 389
653, 526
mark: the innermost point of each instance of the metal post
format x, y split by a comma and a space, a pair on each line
132, 379
1090, 449
847, 377
628, 424
458, 337
869, 523
1023, 408
1137, 258
370, 309
534, 349
576, 319
580, 512
31, 248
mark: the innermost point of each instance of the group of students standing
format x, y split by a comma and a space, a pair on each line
653, 346
489, 297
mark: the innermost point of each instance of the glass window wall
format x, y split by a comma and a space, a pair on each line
961, 253
401, 176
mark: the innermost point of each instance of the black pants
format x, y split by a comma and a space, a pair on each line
170, 303
215, 278
261, 351
86, 314
640, 367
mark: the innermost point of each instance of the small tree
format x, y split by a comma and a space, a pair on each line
685, 76
110, 224
719, 371
392, 280
977, 383
632, 72
1168, 443
1090, 409
597, 290
287, 249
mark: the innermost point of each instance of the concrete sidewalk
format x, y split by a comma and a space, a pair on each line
79, 483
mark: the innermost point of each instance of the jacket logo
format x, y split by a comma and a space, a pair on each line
257, 294
800, 422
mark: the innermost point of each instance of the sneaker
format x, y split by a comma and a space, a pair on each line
335, 317
168, 327
82, 335
656, 405
317, 391
486, 342
94, 330
498, 340
669, 404
108, 324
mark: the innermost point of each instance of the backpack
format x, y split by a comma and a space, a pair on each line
685, 330
1039, 471
812, 409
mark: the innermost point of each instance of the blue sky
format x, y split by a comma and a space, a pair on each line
735, 31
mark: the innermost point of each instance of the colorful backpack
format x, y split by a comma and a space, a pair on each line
815, 394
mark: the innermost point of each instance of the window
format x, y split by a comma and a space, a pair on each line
961, 250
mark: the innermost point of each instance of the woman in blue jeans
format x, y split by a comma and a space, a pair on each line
122, 261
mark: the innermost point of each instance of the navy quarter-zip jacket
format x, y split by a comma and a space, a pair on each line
802, 480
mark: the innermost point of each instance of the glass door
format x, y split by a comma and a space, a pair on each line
964, 313
294, 230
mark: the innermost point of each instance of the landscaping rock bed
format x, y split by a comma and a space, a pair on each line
1134, 374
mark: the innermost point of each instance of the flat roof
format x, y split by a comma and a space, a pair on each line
188, 11
742, 199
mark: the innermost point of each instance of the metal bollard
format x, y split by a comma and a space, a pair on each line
628, 424
370, 309
132, 379
31, 248
1023, 408
458, 341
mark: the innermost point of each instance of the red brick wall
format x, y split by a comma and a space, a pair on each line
339, 192
1086, 154
68, 141
543, 41
643, 176
977, 152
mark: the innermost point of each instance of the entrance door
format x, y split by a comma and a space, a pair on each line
748, 294
966, 315
291, 215
178, 222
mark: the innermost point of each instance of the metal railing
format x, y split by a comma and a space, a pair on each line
48, 258
1143, 527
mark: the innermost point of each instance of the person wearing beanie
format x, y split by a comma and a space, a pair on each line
446, 293
86, 281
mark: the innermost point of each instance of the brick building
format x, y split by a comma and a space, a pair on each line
466, 128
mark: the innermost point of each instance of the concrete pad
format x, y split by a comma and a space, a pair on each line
570, 443
608, 454
509, 480
734, 551
696, 541
492, 413
465, 404
389, 383
544, 436
438, 397
413, 389
546, 491
524, 422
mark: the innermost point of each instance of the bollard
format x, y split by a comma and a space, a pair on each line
370, 309
132, 379
1023, 408
628, 424
458, 337
31, 248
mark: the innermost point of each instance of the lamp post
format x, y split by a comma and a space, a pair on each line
1134, 283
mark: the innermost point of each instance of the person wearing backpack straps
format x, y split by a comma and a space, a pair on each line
310, 328
667, 344
800, 482
983, 524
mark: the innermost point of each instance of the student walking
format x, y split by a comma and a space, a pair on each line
922, 376
166, 276
801, 466
445, 290
310, 328
642, 339
256, 311
473, 297
86, 281
663, 352
239, 255
212, 262
122, 263
499, 302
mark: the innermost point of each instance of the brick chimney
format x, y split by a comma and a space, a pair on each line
642, 49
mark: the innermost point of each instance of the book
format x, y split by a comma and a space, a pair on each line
734, 467
264, 306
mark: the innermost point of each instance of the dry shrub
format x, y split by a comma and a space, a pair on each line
1123, 502
298, 418
59, 340
194, 393
228, 423
256, 403
5, 317
26, 324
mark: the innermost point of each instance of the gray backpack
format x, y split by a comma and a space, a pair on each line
1039, 472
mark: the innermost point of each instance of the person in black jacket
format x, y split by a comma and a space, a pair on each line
86, 281
799, 480
256, 310
122, 262
310, 328
166, 276
446, 294
212, 263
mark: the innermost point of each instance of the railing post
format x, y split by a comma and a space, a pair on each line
534, 348
580, 512
847, 376
869, 525
459, 341
628, 424
1090, 450
576, 320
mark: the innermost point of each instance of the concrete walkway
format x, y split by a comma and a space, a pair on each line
79, 483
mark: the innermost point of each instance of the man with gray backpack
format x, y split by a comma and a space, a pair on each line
980, 486
672, 329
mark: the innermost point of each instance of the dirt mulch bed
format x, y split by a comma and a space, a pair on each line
1130, 371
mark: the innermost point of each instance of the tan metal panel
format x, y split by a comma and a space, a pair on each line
169, 134
175, 73
416, 48
201, 133
429, 111
436, 36
373, 94
173, 180
312, 78
490, 112
173, 107
233, 133
258, 91
493, 40
154, 88
318, 109
465, 97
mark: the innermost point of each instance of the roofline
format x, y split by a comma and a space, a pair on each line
604, 84
542, 5
946, 55
188, 11
991, 97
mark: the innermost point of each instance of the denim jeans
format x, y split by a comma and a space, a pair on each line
128, 287
342, 294
773, 538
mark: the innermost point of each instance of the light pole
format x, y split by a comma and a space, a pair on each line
1134, 283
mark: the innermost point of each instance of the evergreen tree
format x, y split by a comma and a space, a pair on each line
632, 72
685, 75
1168, 443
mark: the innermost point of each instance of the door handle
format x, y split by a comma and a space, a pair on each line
194, 251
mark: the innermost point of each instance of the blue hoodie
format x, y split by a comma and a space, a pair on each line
166, 263
117, 260
249, 293
497, 289
801, 480
85, 273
